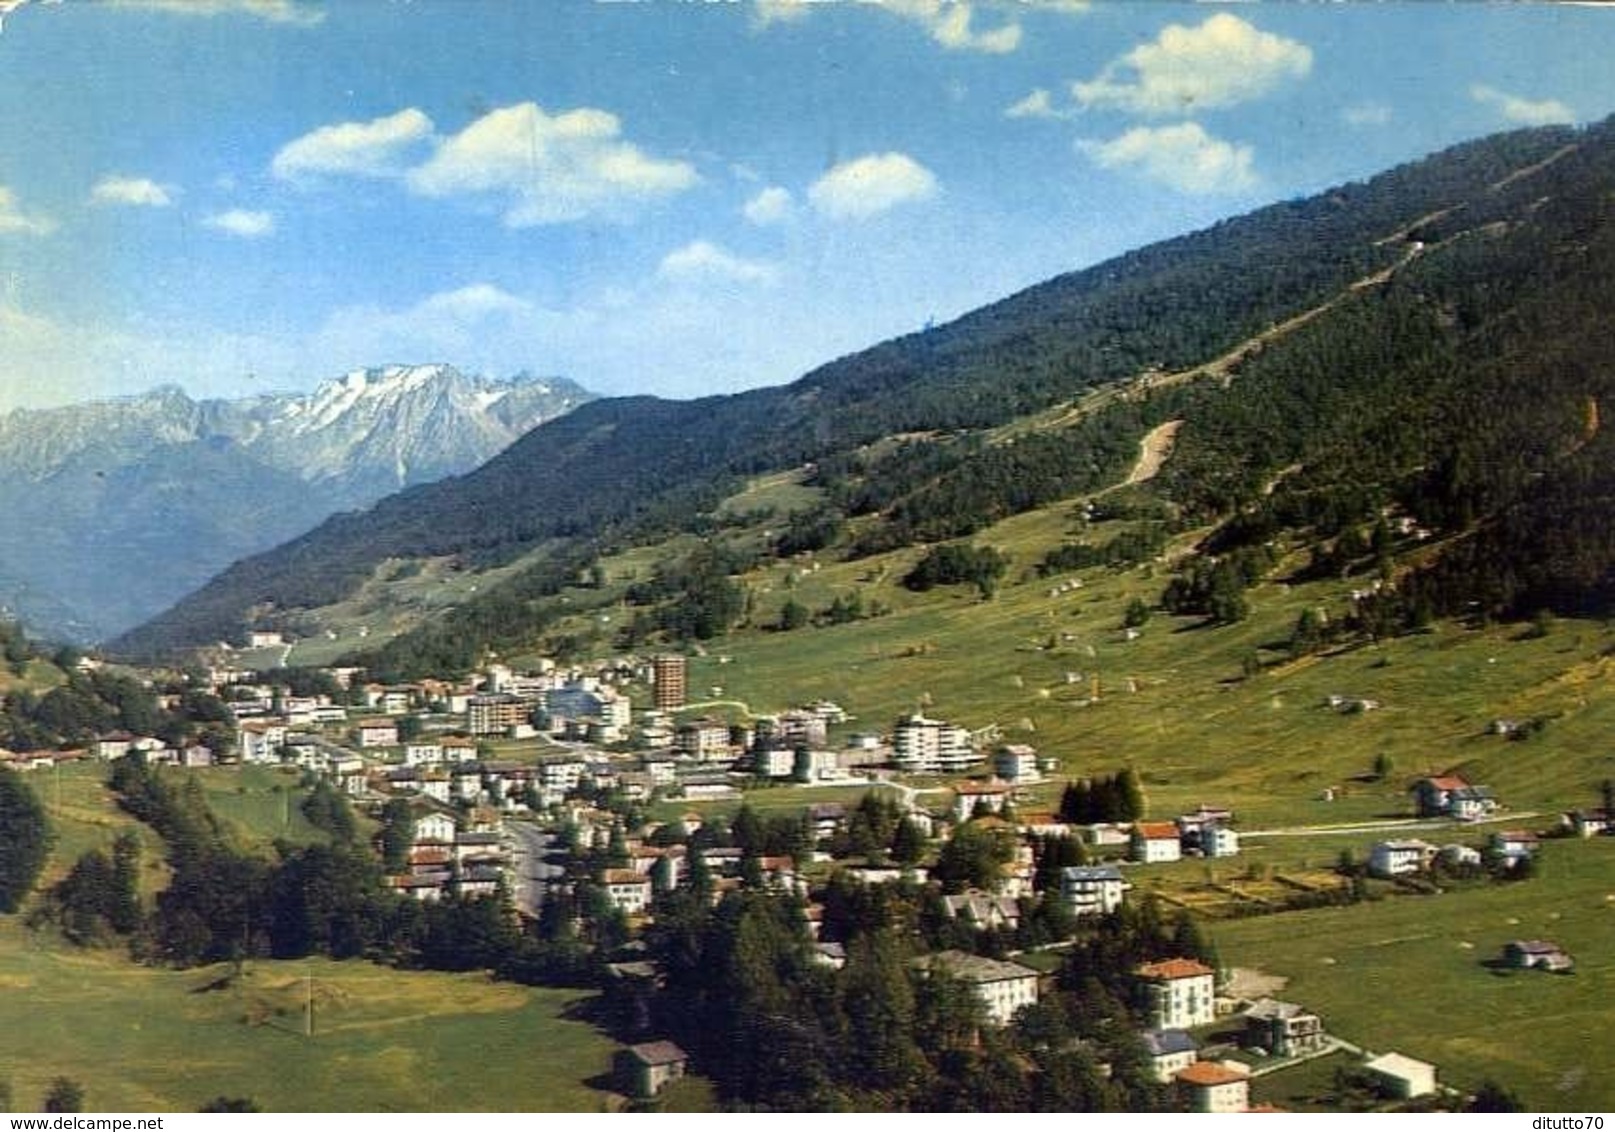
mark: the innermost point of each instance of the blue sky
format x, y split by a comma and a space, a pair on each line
675, 198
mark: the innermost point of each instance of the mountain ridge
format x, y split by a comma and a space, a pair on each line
624, 470
133, 501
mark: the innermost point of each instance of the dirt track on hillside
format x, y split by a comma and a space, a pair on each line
1153, 451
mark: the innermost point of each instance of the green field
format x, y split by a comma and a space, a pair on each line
1410, 974
258, 805
148, 1039
1176, 702
151, 1039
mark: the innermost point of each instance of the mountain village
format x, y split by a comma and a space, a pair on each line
517, 786
1087, 584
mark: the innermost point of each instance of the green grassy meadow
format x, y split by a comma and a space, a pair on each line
151, 1039
258, 805
1176, 702
154, 1040
1409, 974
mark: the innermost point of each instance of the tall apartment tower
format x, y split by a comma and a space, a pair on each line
671, 677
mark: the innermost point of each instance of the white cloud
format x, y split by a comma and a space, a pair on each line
9, 6
479, 326
1523, 111
951, 23
271, 11
137, 192
1366, 114
358, 149
869, 185
1038, 104
1223, 62
773, 205
14, 221
701, 260
767, 12
554, 168
93, 361
471, 303
35, 345
1183, 156
241, 222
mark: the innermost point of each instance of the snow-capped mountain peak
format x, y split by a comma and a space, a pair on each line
354, 438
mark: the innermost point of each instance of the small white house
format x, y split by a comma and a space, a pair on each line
1219, 841
1210, 1086
968, 797
1017, 763
377, 732
1002, 988
1181, 993
423, 752
434, 826
261, 741
1402, 1077
1400, 858
628, 891
1169, 1051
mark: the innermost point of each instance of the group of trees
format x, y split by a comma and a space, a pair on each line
889, 1031
1103, 798
694, 598
99, 899
1465, 394
879, 831
223, 903
952, 488
809, 531
1215, 587
89, 704
954, 564
25, 839
16, 650
843, 609
1124, 549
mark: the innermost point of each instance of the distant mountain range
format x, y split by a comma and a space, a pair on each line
121, 507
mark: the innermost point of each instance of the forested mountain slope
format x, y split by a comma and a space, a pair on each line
1426, 343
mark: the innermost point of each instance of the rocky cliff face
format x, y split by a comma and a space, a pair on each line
121, 507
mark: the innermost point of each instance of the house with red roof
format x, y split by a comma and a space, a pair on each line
1212, 1086
1451, 795
1156, 842
1179, 993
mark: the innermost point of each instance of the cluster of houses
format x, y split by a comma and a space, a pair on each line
430, 743
114, 745
468, 858
1505, 849
1189, 1041
1452, 796
1205, 832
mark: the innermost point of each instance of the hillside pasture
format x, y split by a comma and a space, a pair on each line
1414, 974
144, 1039
1222, 715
